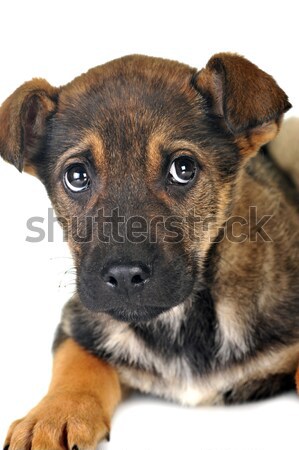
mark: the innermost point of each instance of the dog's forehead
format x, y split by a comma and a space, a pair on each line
132, 70
130, 97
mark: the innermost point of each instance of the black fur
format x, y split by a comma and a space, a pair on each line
260, 389
194, 340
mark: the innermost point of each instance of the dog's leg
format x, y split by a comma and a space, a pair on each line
76, 412
297, 379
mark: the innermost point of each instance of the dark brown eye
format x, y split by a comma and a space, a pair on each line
182, 170
76, 178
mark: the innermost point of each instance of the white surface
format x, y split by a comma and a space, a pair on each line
57, 41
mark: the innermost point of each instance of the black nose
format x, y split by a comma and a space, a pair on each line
126, 278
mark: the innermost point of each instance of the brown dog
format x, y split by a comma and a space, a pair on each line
185, 238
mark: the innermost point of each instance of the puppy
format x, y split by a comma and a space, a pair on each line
185, 238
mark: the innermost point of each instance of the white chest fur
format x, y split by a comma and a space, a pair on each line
173, 379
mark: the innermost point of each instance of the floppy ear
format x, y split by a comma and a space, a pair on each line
246, 100
22, 122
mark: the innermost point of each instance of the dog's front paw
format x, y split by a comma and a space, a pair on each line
66, 421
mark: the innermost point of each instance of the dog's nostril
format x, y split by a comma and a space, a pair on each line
112, 281
137, 279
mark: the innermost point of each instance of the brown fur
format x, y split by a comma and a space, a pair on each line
22, 120
228, 79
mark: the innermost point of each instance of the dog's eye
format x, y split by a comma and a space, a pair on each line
76, 178
182, 170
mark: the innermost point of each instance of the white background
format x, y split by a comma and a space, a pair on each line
57, 41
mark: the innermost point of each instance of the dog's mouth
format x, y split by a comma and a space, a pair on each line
131, 310
136, 314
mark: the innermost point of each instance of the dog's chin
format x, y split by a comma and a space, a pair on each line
128, 313
140, 314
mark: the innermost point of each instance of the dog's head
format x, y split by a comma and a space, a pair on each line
139, 157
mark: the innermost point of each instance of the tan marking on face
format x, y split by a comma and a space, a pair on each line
154, 166
91, 141
154, 157
97, 148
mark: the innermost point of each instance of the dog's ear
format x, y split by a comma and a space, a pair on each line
22, 122
246, 100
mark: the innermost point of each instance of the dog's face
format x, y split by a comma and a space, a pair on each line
140, 157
